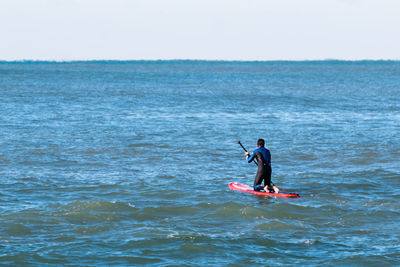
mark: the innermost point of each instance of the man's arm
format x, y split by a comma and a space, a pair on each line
249, 157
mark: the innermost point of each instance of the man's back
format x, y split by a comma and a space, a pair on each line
264, 157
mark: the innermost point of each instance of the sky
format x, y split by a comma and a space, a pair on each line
199, 29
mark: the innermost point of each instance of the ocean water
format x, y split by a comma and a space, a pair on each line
128, 163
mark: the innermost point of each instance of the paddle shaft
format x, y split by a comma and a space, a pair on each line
242, 146
245, 150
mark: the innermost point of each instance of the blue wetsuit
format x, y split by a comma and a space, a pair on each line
263, 159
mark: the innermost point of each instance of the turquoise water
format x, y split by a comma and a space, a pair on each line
128, 163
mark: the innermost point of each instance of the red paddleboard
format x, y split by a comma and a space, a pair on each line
248, 189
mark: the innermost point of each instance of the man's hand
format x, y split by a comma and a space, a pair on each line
247, 153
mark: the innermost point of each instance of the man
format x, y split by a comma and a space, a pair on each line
263, 160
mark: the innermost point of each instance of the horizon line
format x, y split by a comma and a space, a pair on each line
194, 60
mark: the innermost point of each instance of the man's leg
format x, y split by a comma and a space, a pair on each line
267, 180
257, 181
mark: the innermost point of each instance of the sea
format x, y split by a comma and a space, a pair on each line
127, 163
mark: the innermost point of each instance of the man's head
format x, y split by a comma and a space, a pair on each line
260, 142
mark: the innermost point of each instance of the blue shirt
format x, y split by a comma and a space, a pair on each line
264, 152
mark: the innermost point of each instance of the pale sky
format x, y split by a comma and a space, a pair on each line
199, 29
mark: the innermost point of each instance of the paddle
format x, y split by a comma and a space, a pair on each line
245, 150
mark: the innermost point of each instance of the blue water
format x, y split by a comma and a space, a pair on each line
128, 163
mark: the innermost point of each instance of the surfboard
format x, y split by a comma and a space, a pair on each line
249, 189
